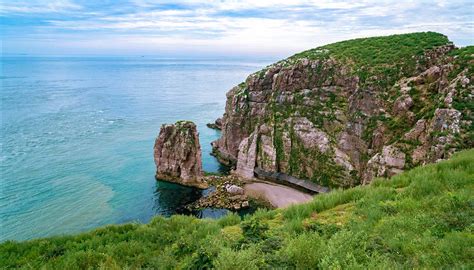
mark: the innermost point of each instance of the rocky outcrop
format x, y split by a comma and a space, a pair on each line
247, 159
339, 122
226, 192
389, 162
310, 136
216, 125
177, 154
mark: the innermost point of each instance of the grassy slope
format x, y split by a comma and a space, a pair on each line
378, 61
419, 219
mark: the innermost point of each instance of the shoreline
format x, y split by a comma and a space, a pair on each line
279, 196
234, 193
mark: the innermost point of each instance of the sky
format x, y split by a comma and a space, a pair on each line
191, 28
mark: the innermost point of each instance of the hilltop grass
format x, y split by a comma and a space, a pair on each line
384, 50
377, 61
419, 219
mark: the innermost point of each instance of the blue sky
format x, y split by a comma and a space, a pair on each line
275, 28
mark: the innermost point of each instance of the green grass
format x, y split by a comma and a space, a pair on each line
419, 219
464, 58
377, 61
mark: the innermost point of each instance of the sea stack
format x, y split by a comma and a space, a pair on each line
177, 154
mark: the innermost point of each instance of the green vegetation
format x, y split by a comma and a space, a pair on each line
376, 60
419, 219
464, 59
463, 101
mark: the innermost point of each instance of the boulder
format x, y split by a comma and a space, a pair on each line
233, 189
177, 154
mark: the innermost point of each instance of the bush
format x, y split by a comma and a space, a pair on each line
253, 230
247, 259
303, 252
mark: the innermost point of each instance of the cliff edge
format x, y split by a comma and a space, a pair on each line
344, 113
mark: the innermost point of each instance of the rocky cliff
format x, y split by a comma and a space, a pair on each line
347, 112
177, 154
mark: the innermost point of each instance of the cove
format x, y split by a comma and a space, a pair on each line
78, 134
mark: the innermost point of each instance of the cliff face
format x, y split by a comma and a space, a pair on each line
347, 112
177, 154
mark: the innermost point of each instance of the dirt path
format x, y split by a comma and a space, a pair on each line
278, 195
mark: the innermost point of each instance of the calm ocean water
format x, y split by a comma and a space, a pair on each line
77, 137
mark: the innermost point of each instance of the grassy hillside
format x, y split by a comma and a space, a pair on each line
419, 219
379, 60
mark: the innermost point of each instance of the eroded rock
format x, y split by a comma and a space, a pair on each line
385, 164
227, 193
216, 125
446, 120
247, 156
177, 154
309, 135
316, 119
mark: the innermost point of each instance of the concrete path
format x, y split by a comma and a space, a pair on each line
278, 195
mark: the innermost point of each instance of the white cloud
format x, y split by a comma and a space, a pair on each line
52, 6
274, 27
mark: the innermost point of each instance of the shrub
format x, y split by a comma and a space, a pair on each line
253, 230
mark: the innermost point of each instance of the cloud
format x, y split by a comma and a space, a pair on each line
38, 6
277, 27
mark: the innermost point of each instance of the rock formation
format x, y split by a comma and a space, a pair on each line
344, 113
233, 189
177, 154
227, 193
216, 125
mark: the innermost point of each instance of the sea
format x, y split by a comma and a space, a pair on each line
77, 136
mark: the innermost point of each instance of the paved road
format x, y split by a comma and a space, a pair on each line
278, 195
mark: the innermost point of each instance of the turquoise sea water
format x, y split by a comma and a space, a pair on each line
77, 137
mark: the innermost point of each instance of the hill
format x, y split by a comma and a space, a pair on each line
341, 114
422, 218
